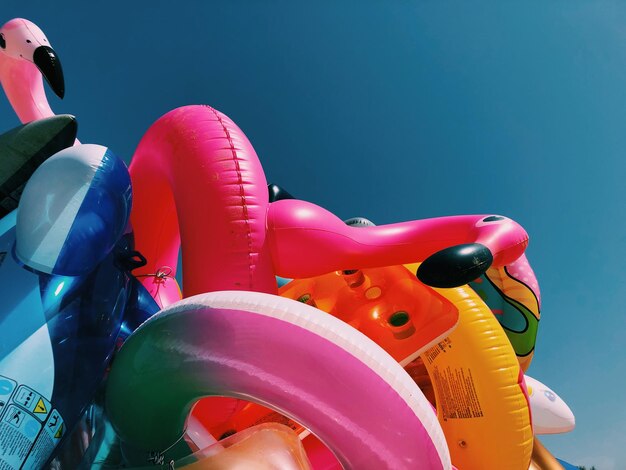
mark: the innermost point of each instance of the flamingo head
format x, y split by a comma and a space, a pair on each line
21, 39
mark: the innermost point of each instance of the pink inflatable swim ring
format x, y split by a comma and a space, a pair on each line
277, 352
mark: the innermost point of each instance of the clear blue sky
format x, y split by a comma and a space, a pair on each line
398, 110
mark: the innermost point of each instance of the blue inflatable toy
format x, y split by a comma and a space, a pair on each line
66, 291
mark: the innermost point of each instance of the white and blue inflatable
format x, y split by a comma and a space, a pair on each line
68, 257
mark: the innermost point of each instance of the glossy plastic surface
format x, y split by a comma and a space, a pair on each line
551, 415
210, 183
512, 294
280, 353
471, 368
73, 210
389, 305
263, 447
479, 390
58, 332
25, 58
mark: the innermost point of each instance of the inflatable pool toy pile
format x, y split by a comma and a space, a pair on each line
298, 340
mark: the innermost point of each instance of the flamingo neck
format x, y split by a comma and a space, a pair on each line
197, 179
23, 85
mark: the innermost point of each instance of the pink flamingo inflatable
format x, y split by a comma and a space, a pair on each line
211, 191
197, 177
26, 56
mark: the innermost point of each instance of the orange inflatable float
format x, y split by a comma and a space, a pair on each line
477, 381
389, 305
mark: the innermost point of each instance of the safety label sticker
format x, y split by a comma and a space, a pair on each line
30, 428
7, 387
458, 398
33, 402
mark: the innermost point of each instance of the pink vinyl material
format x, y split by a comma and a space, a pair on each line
195, 169
300, 228
278, 352
20, 78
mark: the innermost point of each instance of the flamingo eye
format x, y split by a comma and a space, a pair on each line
28, 41
3, 43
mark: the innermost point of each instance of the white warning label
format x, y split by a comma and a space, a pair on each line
30, 428
18, 431
33, 402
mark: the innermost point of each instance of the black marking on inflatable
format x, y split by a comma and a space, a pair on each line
276, 193
493, 218
3, 43
131, 259
399, 318
49, 65
359, 222
455, 266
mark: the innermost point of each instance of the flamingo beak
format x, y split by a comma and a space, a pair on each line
455, 265
49, 65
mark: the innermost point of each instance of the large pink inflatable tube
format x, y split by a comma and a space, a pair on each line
194, 162
280, 353
196, 170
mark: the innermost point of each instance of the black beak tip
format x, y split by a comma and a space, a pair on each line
455, 266
49, 65
276, 193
